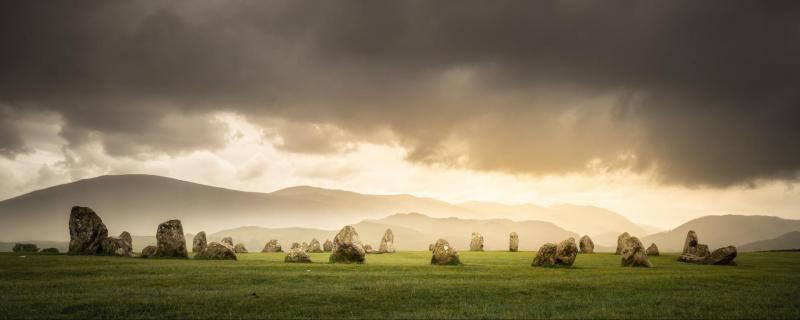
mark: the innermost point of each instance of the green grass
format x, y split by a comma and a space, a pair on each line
401, 285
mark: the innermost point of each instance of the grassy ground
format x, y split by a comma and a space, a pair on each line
401, 285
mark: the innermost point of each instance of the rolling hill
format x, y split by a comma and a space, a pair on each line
718, 231
788, 241
138, 203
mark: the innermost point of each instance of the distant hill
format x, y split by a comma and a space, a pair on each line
138, 203
413, 231
718, 231
788, 241
590, 220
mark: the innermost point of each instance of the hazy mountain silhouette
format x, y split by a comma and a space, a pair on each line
787, 241
138, 203
718, 231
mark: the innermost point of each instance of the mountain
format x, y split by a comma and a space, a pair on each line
723, 230
590, 220
138, 203
787, 241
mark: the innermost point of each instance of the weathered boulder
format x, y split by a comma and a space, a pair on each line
477, 242
621, 242
633, 254
170, 241
327, 246
199, 243
721, 256
239, 248
148, 251
652, 250
216, 251
387, 242
304, 246
49, 250
272, 246
228, 241
295, 245
368, 249
86, 231
346, 247
586, 244
566, 251
702, 250
546, 255
297, 255
444, 254
25, 247
314, 246
117, 246
513, 242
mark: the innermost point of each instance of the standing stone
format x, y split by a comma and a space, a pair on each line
513, 242
368, 249
297, 255
346, 247
721, 256
25, 247
216, 251
546, 255
566, 251
272, 246
621, 242
295, 245
327, 246
477, 242
117, 246
228, 241
690, 244
148, 251
239, 248
444, 254
652, 250
314, 246
86, 231
586, 244
633, 254
170, 240
387, 242
199, 242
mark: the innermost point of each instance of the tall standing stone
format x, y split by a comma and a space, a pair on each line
513, 242
272, 246
327, 246
633, 254
170, 240
199, 242
477, 242
690, 244
444, 254
387, 242
346, 247
86, 231
621, 242
586, 244
314, 246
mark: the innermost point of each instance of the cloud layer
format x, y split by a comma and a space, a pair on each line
701, 94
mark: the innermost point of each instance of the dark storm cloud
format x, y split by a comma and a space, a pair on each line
705, 93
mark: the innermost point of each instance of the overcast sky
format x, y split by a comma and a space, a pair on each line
661, 110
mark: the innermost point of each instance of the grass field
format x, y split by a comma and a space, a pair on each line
400, 285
